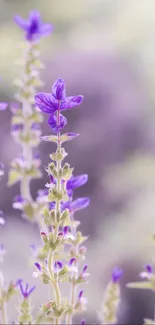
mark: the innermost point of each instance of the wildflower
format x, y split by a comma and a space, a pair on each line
33, 27
57, 101
74, 182
57, 266
82, 301
116, 275
24, 289
109, 308
148, 273
19, 202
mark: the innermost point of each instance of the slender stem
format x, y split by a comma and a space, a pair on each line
4, 313
69, 316
3, 305
54, 283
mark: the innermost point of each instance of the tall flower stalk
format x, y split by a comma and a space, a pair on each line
6, 291
61, 264
26, 118
109, 309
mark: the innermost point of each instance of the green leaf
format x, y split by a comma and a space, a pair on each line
13, 177
148, 321
63, 138
140, 285
68, 136
49, 138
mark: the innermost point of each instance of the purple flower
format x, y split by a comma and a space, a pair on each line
3, 106
76, 181
24, 289
57, 266
58, 89
148, 273
79, 204
57, 100
148, 268
38, 266
72, 206
83, 322
19, 202
33, 27
57, 127
72, 261
37, 273
116, 275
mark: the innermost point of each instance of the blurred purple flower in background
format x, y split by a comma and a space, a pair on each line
116, 275
33, 27
24, 289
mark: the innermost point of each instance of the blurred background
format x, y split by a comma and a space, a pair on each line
105, 50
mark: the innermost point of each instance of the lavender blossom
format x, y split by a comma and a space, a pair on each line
116, 275
26, 119
25, 291
33, 27
58, 216
57, 102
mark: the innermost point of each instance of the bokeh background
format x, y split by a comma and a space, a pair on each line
105, 50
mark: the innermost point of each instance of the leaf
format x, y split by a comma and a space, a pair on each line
13, 177
29, 212
68, 136
63, 138
49, 138
140, 285
148, 321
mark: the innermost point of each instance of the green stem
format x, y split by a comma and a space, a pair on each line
69, 316
55, 284
4, 313
3, 305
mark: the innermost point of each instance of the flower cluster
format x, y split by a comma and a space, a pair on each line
62, 255
58, 263
26, 120
109, 309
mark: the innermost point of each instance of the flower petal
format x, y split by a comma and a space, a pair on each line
77, 181
46, 29
52, 122
71, 102
31, 290
46, 102
58, 89
22, 23
34, 15
79, 204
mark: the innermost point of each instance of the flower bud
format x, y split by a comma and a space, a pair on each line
44, 236
67, 172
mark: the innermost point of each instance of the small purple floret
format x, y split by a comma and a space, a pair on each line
38, 266
52, 122
24, 289
33, 27
148, 268
81, 294
57, 100
116, 275
72, 260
